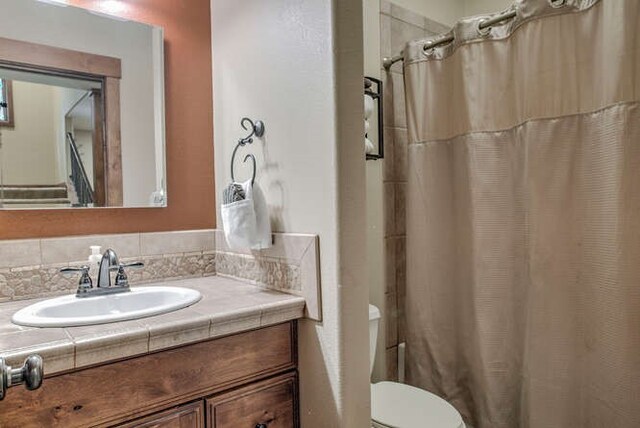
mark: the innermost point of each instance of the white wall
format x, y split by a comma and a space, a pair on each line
478, 7
374, 190
29, 149
84, 141
35, 150
443, 11
449, 11
297, 65
74, 28
64, 99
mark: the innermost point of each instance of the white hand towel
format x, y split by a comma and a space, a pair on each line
369, 148
263, 222
246, 223
239, 224
368, 106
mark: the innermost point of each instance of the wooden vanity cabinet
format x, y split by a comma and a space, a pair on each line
244, 380
268, 404
186, 416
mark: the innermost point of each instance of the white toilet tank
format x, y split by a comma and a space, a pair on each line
374, 321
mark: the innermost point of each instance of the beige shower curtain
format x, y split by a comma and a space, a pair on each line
523, 241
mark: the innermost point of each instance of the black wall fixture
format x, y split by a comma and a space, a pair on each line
373, 88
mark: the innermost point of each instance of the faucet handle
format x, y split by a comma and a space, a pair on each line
119, 266
84, 284
84, 269
132, 265
121, 277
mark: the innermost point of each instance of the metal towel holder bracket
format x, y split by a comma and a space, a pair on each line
256, 129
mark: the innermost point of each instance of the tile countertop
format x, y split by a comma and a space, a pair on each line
227, 306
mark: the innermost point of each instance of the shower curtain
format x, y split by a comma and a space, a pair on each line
523, 216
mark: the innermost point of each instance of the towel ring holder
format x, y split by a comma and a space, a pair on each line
247, 157
256, 129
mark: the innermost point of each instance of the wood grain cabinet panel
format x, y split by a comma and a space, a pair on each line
118, 392
267, 404
187, 416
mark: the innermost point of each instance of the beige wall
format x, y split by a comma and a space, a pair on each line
449, 11
477, 7
84, 140
374, 216
35, 149
297, 65
64, 100
444, 11
29, 149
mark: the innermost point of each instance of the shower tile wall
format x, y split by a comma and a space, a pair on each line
397, 26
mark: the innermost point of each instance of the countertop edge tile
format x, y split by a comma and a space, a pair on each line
58, 356
92, 350
234, 322
279, 312
179, 332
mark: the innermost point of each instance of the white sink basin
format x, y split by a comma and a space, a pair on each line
69, 311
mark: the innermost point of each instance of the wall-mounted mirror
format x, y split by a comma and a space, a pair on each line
81, 109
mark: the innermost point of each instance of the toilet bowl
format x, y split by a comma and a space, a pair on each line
397, 405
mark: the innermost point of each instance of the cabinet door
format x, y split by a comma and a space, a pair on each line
267, 404
187, 416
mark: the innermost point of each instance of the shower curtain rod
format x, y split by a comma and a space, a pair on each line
387, 62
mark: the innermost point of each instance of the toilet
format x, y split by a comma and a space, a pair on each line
396, 405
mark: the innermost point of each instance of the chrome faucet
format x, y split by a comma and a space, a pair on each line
108, 263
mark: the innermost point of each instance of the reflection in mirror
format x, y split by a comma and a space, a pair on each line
52, 155
81, 109
81, 138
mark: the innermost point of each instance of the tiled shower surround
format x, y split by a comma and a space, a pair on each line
31, 268
397, 26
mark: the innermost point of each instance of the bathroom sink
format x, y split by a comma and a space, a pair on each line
69, 311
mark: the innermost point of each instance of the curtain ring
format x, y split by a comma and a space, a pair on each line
427, 49
557, 3
483, 31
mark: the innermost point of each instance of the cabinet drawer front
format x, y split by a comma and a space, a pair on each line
187, 416
269, 404
125, 390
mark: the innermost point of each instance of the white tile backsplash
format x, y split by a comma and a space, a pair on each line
177, 242
20, 253
76, 248
71, 249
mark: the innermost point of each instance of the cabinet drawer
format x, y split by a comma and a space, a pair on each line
187, 416
269, 404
